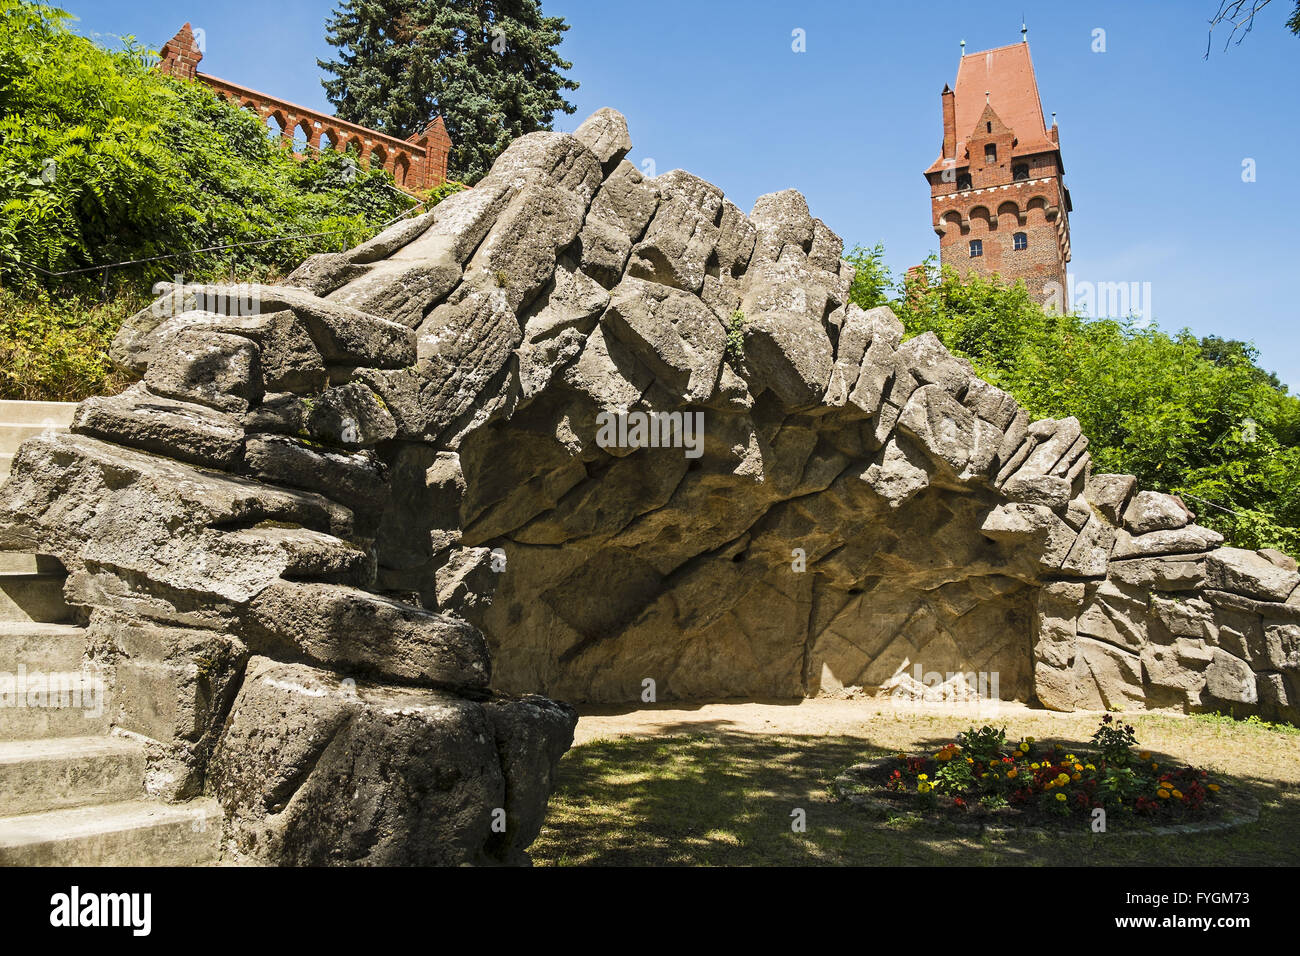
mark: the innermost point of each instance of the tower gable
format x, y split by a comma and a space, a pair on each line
999, 202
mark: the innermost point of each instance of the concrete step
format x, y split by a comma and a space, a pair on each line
41, 646
33, 597
19, 562
46, 687
129, 833
41, 775
13, 434
76, 706
37, 413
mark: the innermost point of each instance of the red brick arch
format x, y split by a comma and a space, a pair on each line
418, 162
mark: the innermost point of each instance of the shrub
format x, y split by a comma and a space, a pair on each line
1195, 417
102, 160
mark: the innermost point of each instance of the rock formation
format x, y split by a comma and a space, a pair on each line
624, 432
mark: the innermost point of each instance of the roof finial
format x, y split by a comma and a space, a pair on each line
1024, 30
963, 47
986, 97
1053, 117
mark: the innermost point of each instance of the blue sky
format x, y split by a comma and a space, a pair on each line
1153, 136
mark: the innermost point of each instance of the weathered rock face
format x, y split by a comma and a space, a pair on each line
604, 429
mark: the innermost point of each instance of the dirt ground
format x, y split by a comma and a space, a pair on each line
816, 716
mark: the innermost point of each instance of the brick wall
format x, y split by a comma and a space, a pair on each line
976, 195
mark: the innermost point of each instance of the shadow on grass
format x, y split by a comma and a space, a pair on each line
720, 798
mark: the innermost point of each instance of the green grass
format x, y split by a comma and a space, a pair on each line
726, 799
58, 350
1253, 720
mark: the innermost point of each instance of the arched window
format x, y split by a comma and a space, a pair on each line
301, 137
976, 248
1020, 241
1020, 171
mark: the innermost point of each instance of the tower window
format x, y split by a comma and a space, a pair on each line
988, 127
1020, 171
990, 153
963, 181
1020, 241
976, 248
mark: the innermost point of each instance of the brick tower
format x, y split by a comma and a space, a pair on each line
997, 191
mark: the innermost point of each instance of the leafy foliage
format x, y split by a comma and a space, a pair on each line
735, 347
1114, 740
872, 282
59, 353
102, 160
1195, 417
489, 68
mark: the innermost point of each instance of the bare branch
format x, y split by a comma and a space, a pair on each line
1241, 14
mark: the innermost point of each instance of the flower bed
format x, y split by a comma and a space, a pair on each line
983, 778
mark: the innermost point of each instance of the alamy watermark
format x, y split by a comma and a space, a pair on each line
631, 430
964, 688
56, 690
237, 299
1100, 300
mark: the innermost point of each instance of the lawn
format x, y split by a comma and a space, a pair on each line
721, 793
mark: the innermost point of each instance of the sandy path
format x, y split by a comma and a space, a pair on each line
855, 718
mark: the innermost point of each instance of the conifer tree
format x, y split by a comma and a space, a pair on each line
489, 68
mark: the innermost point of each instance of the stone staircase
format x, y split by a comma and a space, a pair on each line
22, 420
72, 791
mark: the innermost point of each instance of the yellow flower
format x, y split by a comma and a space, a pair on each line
1061, 797
921, 776
1078, 766
1070, 757
924, 787
1178, 794
1033, 766
1076, 776
1091, 767
970, 760
1162, 794
1062, 779
1212, 786
1029, 739
1155, 766
1024, 748
1012, 773
1144, 755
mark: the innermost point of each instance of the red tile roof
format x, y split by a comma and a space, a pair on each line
1007, 74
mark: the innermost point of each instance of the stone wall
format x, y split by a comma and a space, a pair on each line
340, 500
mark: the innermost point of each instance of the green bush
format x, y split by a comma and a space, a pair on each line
1195, 417
59, 353
102, 160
